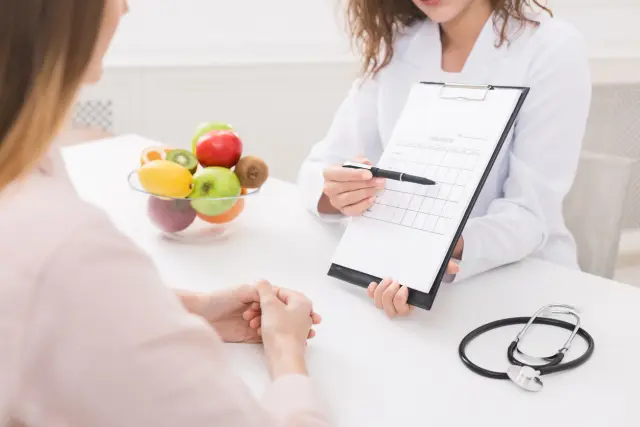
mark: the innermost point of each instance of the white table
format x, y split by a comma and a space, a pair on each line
381, 373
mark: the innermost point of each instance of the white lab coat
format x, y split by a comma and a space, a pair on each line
519, 211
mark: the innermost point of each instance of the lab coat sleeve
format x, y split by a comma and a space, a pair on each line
353, 132
542, 162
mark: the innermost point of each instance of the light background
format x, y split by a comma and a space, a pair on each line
190, 32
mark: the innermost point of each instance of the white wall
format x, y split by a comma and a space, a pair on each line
610, 26
195, 32
199, 32
279, 110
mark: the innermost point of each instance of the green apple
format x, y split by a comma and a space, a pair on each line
205, 128
214, 183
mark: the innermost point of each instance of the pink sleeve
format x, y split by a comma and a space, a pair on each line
110, 345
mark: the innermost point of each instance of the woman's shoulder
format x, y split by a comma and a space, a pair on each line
39, 216
555, 35
552, 47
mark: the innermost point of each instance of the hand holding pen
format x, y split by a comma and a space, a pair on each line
351, 188
349, 191
390, 174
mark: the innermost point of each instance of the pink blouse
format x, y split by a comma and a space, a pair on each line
90, 337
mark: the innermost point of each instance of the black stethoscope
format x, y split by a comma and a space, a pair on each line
527, 375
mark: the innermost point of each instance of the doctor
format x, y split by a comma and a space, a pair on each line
500, 42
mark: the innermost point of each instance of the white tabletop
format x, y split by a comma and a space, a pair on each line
381, 373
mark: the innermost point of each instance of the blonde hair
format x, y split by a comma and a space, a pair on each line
45, 49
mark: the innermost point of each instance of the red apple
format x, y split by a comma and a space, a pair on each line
221, 148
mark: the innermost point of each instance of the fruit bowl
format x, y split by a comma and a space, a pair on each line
198, 193
185, 218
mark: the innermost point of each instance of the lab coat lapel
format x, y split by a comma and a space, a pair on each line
485, 58
424, 55
424, 52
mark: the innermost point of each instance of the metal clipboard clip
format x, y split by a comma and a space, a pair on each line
464, 91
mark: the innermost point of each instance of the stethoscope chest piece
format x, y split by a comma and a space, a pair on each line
525, 377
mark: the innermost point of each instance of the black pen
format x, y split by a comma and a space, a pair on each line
384, 173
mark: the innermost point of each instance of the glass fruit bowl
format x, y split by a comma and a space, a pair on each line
197, 218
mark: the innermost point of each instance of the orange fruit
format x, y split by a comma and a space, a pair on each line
165, 179
225, 217
151, 154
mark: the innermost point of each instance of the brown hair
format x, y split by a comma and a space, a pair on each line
45, 49
374, 24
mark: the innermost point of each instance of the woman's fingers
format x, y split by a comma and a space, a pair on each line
359, 208
337, 188
400, 302
391, 297
255, 323
338, 173
250, 314
315, 318
362, 159
377, 294
372, 289
453, 268
388, 296
350, 198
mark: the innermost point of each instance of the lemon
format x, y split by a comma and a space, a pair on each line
165, 178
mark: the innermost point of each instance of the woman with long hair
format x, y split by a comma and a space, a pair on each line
490, 42
89, 335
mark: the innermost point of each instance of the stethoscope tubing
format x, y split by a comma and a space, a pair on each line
554, 365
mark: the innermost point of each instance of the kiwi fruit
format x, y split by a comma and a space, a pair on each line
184, 158
252, 171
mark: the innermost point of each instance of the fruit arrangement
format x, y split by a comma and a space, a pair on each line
209, 182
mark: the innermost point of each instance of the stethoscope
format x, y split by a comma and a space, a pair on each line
527, 375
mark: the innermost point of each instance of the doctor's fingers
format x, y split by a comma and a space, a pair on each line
388, 297
333, 188
339, 173
376, 292
351, 197
400, 302
453, 268
358, 208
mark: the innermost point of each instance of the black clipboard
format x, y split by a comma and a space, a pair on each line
417, 298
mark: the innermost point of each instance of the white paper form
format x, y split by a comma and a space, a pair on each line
447, 137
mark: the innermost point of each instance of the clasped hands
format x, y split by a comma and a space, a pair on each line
281, 319
238, 313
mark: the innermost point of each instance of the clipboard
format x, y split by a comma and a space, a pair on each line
463, 93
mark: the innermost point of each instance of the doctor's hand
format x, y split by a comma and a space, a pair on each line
389, 296
349, 191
